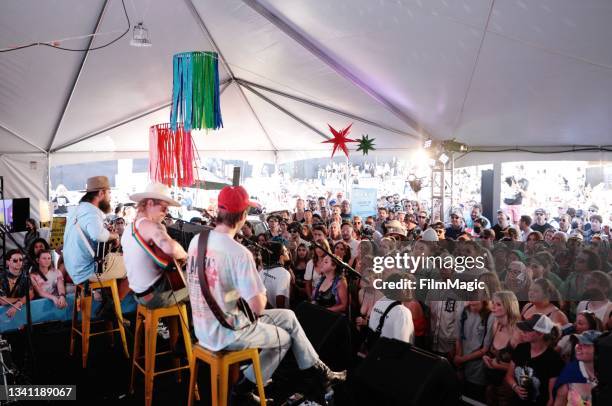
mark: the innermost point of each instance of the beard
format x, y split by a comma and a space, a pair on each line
104, 206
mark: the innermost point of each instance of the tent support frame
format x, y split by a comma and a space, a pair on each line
287, 112
77, 76
326, 108
207, 34
310, 46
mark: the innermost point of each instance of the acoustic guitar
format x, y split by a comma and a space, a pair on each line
169, 265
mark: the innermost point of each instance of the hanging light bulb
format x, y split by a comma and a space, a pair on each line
140, 36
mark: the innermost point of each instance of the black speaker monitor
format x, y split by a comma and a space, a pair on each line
398, 373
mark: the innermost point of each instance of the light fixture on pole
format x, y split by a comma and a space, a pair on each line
140, 36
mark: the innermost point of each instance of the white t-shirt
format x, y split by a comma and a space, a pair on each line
311, 274
277, 282
354, 244
398, 324
231, 274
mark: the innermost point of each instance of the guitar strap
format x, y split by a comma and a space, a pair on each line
201, 266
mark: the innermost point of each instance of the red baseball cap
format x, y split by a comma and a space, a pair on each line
234, 199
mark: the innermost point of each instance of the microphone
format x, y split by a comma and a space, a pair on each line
253, 243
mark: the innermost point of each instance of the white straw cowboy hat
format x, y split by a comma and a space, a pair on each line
156, 191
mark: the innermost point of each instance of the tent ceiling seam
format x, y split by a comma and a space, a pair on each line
204, 28
128, 120
327, 108
287, 112
19, 137
283, 26
196, 15
77, 76
248, 103
473, 73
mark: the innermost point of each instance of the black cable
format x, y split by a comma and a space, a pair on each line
76, 50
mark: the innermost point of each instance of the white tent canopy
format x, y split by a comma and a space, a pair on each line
489, 73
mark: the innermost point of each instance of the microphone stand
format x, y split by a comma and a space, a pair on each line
248, 241
25, 273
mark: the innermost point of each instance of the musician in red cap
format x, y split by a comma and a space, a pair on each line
224, 285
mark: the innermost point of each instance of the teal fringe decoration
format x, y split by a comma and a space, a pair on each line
195, 91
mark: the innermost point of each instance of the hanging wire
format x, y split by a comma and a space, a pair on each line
50, 44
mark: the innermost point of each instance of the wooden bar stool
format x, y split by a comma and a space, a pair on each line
86, 307
220, 363
150, 318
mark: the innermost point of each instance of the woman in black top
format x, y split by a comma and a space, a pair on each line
535, 365
332, 291
298, 267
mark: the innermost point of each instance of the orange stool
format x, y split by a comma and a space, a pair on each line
150, 318
86, 306
220, 363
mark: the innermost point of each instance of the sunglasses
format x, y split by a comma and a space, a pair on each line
17, 260
422, 217
539, 214
454, 217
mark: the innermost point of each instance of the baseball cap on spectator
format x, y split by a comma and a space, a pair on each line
395, 227
429, 235
540, 211
438, 224
332, 202
588, 337
571, 212
593, 207
537, 322
234, 199
457, 213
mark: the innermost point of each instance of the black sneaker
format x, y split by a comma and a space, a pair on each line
326, 376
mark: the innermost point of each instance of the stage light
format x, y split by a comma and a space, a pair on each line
443, 158
454, 146
140, 36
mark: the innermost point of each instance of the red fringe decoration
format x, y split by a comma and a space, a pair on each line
171, 156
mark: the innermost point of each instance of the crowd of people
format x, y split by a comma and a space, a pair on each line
527, 338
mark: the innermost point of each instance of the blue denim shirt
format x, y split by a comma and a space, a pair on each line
77, 258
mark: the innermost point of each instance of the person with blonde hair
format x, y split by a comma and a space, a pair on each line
505, 309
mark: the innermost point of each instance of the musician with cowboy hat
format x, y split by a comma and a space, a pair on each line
148, 249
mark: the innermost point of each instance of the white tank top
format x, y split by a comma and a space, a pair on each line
142, 270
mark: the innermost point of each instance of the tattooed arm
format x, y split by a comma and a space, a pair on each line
156, 233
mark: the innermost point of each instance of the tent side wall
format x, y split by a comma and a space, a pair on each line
26, 175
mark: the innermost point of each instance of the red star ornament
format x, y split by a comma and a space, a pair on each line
340, 139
